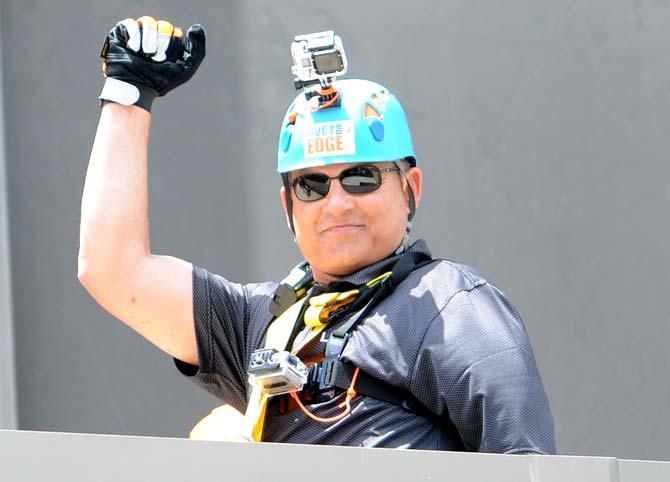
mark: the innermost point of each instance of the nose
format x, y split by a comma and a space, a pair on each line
338, 200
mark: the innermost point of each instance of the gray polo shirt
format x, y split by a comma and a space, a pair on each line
445, 334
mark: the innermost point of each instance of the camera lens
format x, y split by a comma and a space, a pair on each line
328, 62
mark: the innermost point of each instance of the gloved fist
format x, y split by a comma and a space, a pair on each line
145, 58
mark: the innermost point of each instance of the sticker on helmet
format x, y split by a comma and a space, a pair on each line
329, 139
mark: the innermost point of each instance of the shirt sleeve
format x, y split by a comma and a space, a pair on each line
476, 366
230, 322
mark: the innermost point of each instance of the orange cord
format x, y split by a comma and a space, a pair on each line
351, 394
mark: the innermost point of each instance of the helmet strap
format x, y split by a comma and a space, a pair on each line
412, 203
289, 201
404, 244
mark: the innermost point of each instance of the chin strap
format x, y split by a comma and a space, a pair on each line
404, 244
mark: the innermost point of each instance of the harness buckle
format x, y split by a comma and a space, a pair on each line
322, 380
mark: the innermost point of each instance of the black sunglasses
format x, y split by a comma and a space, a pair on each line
354, 180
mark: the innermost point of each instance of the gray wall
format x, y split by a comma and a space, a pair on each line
543, 128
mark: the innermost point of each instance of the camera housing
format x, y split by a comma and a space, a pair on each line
277, 372
317, 59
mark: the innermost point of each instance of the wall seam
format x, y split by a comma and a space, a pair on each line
8, 398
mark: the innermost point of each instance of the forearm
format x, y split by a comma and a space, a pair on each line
114, 212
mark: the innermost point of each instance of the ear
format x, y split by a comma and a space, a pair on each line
415, 179
282, 195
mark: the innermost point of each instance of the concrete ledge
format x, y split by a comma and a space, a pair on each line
30, 456
643, 471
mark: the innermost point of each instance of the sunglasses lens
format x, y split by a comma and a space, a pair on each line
358, 179
311, 187
361, 179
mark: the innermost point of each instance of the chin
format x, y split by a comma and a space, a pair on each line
343, 259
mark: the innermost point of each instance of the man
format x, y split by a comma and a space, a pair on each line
435, 357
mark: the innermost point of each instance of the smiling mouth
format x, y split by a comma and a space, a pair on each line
342, 229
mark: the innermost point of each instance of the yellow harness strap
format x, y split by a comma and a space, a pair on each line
276, 337
322, 306
225, 422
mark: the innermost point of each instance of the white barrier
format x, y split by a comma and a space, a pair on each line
63, 457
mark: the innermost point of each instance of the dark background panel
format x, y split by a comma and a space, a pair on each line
543, 130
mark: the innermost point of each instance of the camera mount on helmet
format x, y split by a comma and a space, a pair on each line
318, 58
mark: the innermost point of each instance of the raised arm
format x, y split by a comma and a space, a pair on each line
150, 293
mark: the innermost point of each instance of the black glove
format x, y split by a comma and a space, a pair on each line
145, 58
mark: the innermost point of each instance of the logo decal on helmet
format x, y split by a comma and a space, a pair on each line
329, 139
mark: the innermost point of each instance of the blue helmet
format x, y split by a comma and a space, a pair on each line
369, 125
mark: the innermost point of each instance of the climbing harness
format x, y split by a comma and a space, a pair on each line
322, 380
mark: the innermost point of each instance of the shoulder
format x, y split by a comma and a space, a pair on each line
475, 316
441, 280
464, 276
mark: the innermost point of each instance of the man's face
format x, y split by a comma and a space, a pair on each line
343, 232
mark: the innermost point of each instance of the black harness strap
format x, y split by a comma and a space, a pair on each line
405, 265
336, 374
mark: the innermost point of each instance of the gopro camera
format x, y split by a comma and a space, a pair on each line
277, 372
317, 59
